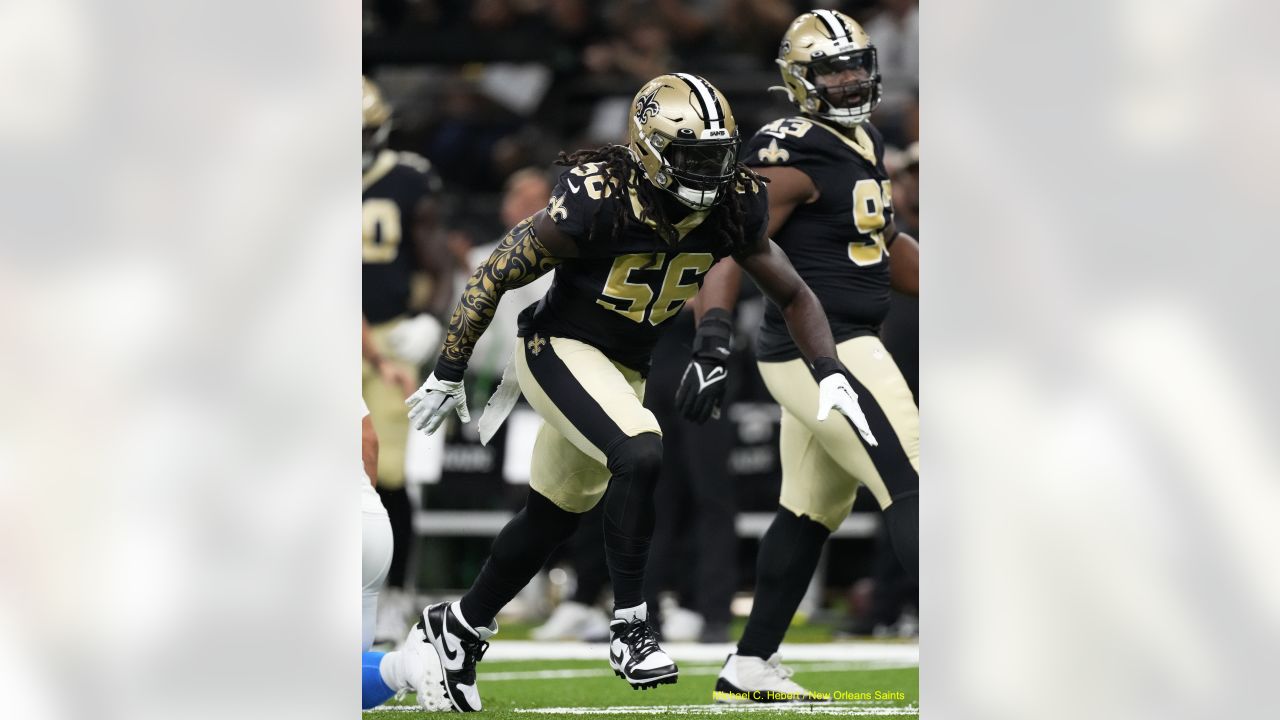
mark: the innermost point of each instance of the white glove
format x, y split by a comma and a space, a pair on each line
429, 406
416, 339
834, 392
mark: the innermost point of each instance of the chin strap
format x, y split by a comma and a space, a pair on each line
690, 202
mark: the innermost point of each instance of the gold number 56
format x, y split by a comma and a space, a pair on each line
637, 301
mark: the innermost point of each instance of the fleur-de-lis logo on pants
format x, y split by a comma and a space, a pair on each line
535, 344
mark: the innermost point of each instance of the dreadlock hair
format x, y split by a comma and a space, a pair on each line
620, 171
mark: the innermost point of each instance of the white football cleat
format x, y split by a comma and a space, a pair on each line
419, 667
746, 679
458, 647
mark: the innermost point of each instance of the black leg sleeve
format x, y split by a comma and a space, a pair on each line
518, 553
588, 558
789, 553
903, 518
629, 514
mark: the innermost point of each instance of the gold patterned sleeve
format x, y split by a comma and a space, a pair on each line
518, 260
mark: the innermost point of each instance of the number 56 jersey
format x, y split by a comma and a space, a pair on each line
836, 243
626, 285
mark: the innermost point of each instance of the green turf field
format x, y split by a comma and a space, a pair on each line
531, 689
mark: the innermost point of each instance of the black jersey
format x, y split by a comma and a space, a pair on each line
393, 186
624, 287
835, 243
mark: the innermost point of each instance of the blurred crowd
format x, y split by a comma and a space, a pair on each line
490, 91
485, 88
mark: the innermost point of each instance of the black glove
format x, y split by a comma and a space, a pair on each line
702, 387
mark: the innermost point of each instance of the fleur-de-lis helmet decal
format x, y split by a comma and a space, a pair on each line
647, 106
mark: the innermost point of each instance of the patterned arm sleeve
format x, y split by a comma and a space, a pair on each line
517, 261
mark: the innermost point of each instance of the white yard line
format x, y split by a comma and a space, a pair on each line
818, 709
688, 670
835, 708
697, 652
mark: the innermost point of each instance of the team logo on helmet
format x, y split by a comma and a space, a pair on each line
647, 106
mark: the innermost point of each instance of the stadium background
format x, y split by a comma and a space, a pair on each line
483, 89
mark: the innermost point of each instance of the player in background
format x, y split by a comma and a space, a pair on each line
384, 675
830, 211
399, 241
630, 232
391, 372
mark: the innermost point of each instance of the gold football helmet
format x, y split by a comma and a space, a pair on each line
376, 124
683, 135
829, 67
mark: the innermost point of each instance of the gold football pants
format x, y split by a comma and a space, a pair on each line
590, 404
387, 410
823, 462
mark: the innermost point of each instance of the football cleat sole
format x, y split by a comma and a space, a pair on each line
649, 683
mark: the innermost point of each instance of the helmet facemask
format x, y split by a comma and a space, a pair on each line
700, 169
694, 171
847, 100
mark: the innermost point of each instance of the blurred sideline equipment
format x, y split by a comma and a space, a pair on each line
574, 621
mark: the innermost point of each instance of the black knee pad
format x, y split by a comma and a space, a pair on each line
518, 552
638, 457
636, 464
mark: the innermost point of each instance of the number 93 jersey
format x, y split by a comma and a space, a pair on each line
835, 243
626, 285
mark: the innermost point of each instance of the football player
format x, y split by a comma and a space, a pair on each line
386, 674
630, 232
830, 212
399, 239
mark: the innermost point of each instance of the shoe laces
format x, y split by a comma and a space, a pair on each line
641, 638
473, 651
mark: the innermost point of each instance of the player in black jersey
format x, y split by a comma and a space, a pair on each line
630, 232
399, 240
830, 211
